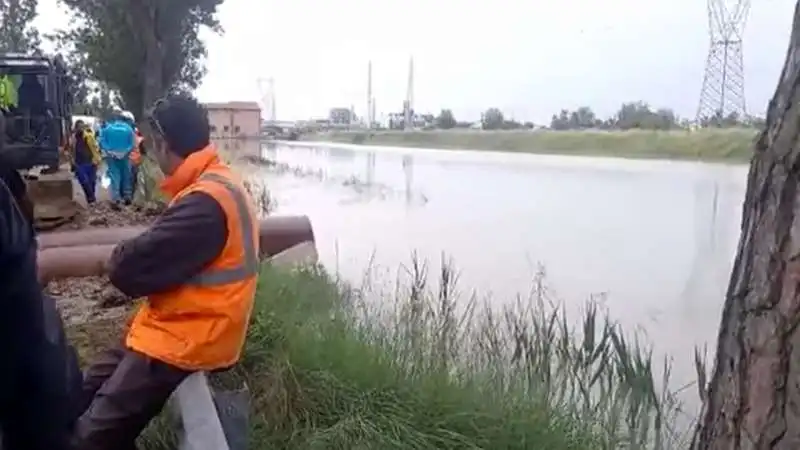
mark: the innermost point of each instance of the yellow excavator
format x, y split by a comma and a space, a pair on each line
36, 134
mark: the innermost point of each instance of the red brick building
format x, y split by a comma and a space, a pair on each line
233, 120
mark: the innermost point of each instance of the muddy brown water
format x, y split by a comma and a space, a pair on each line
656, 237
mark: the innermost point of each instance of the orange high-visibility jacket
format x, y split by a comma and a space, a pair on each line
136, 154
202, 325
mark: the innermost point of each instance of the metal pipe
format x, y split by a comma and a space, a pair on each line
73, 262
84, 253
273, 227
92, 236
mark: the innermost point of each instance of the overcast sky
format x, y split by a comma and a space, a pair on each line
529, 58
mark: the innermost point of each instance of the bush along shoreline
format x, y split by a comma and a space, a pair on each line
730, 145
327, 371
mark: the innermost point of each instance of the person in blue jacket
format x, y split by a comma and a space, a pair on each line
117, 139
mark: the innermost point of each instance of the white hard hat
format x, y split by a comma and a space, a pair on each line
128, 115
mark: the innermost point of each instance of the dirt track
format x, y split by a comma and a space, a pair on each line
84, 299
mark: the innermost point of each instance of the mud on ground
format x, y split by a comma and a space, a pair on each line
90, 299
107, 214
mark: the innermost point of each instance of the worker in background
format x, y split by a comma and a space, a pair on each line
197, 265
34, 387
8, 93
117, 140
136, 159
86, 158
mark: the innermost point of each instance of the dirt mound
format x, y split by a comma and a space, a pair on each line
87, 299
106, 215
92, 298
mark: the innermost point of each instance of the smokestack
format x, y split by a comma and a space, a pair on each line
272, 111
409, 103
369, 113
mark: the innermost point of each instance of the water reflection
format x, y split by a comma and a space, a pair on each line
408, 170
370, 169
340, 154
659, 238
362, 174
233, 145
269, 151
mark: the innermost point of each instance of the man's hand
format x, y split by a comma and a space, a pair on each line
116, 254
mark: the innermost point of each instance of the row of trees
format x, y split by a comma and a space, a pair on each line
122, 53
632, 115
641, 115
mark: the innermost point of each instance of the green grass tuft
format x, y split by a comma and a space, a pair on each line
330, 366
428, 371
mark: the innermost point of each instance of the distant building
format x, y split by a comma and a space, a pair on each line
341, 116
232, 120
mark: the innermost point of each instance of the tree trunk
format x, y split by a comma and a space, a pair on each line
753, 397
145, 19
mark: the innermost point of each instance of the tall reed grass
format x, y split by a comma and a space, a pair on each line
149, 177
331, 365
328, 369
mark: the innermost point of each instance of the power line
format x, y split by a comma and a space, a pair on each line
723, 93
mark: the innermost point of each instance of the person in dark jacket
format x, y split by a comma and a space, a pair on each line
34, 392
86, 158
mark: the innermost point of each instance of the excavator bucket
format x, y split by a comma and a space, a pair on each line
53, 197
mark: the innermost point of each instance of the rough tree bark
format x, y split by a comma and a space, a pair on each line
753, 397
145, 18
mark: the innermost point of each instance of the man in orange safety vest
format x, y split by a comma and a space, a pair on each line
136, 159
197, 266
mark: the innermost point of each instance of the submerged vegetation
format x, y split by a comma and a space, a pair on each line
708, 144
328, 367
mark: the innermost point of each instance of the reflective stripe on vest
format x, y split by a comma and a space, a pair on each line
250, 265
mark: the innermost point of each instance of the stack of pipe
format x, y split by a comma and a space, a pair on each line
83, 253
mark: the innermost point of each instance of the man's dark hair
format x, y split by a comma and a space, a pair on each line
184, 122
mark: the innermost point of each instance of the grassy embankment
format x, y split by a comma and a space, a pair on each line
733, 145
326, 371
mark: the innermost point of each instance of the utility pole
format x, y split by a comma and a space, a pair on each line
273, 116
266, 87
722, 94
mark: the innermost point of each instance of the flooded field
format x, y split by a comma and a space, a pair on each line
656, 239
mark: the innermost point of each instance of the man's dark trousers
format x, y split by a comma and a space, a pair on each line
87, 178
